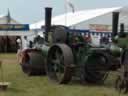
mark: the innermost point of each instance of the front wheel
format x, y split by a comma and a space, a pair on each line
32, 62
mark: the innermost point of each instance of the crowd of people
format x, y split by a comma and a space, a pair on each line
25, 43
8, 44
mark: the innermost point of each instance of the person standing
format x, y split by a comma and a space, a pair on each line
19, 43
19, 48
20, 52
30, 44
25, 43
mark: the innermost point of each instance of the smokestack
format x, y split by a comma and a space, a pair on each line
122, 33
122, 28
48, 13
115, 19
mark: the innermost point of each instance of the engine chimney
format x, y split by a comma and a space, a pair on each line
122, 27
122, 33
115, 19
48, 13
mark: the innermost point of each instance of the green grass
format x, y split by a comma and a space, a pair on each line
22, 85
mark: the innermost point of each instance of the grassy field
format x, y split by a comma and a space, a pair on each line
22, 85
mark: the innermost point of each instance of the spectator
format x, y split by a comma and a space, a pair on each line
19, 43
19, 46
30, 44
25, 43
88, 38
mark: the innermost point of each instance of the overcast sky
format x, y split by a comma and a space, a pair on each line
30, 11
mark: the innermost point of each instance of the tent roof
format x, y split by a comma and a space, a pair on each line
2, 16
71, 19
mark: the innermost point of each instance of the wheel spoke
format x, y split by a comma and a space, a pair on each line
57, 62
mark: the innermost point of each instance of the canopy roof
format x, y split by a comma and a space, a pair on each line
71, 19
2, 16
3, 20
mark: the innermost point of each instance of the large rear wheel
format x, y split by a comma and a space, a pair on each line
59, 63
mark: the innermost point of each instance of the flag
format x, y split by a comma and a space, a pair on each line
71, 5
8, 17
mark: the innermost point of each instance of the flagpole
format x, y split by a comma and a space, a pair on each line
71, 5
66, 10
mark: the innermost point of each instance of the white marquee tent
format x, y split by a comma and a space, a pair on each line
71, 19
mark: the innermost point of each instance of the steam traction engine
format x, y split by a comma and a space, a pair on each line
64, 55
